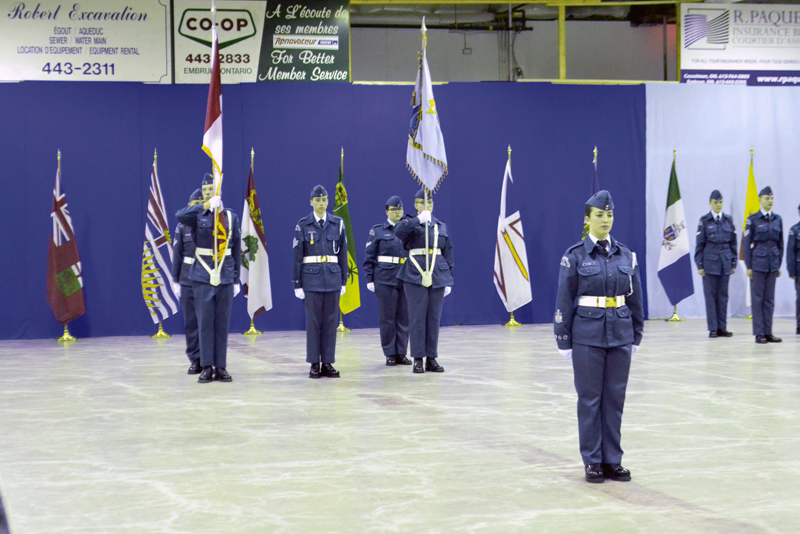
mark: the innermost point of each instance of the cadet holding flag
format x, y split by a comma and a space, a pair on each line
715, 256
600, 335
319, 276
383, 258
183, 250
762, 249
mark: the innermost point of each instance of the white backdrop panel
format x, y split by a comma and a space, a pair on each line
713, 128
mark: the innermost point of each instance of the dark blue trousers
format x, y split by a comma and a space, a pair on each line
715, 289
762, 298
601, 378
213, 307
797, 301
393, 315
322, 314
424, 313
190, 323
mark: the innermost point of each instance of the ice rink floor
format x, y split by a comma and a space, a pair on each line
110, 435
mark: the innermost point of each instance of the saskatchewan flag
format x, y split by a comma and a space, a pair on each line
352, 298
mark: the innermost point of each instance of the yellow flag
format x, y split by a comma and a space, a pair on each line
751, 203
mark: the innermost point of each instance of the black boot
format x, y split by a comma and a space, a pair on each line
400, 359
432, 366
390, 361
195, 368
418, 368
314, 372
329, 371
221, 375
206, 376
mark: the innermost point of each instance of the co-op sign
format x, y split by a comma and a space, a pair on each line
233, 26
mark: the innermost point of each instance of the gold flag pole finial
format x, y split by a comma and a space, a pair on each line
509, 151
252, 156
160, 334
66, 337
59, 159
674, 153
594, 152
252, 331
341, 327
675, 317
342, 159
512, 321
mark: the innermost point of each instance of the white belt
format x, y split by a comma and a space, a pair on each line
391, 259
209, 252
602, 302
187, 260
321, 259
421, 251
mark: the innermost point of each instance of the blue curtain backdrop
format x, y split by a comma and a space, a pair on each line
107, 133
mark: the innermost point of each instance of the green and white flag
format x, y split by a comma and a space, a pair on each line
674, 262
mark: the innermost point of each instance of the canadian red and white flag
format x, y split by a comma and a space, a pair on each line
64, 280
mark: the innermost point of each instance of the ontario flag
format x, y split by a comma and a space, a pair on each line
511, 273
674, 262
255, 260
157, 291
64, 280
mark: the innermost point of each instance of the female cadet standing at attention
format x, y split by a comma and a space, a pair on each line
600, 335
425, 289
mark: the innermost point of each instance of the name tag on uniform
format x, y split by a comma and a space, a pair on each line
588, 263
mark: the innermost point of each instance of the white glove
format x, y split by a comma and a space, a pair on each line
215, 202
299, 293
236, 289
344, 289
634, 350
176, 288
424, 217
566, 354
371, 286
447, 290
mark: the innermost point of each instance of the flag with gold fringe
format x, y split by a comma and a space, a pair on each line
351, 299
254, 274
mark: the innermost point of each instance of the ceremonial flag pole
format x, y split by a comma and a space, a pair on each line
64, 276
594, 187
674, 262
751, 206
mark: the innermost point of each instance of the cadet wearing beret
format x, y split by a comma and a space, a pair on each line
213, 298
383, 258
793, 264
763, 252
715, 256
600, 335
319, 277
183, 253
425, 294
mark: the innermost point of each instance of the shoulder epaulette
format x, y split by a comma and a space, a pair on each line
576, 245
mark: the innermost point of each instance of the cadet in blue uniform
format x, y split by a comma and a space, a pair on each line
183, 258
793, 264
600, 335
320, 276
213, 302
763, 252
715, 256
383, 258
425, 294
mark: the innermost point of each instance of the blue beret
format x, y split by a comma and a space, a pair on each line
394, 202
208, 179
319, 191
197, 195
601, 200
766, 191
715, 195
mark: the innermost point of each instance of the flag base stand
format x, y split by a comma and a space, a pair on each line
341, 327
66, 337
675, 317
748, 316
252, 331
512, 321
160, 334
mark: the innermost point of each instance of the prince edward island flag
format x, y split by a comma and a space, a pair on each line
674, 263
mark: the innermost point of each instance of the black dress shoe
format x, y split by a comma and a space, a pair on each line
195, 368
724, 333
616, 472
418, 368
390, 361
222, 375
314, 372
402, 360
594, 474
432, 366
207, 375
329, 371
773, 339
761, 340
713, 333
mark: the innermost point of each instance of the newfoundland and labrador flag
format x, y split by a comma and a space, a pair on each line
157, 291
255, 261
64, 280
674, 263
511, 273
